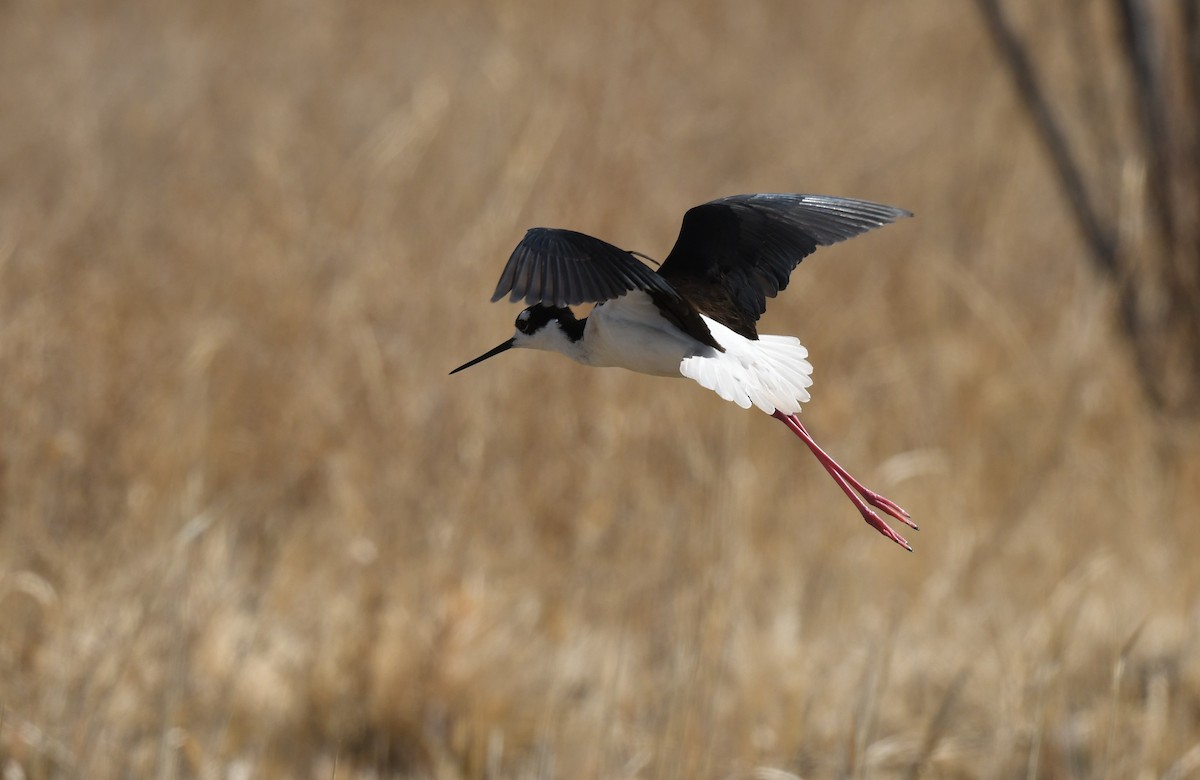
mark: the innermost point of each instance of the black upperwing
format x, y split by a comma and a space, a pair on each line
562, 268
556, 267
734, 253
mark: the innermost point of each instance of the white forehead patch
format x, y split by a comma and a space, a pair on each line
523, 316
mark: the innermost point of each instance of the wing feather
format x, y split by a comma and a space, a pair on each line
564, 268
734, 253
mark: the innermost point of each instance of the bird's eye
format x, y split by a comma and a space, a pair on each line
523, 321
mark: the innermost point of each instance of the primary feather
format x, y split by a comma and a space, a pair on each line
733, 253
560, 268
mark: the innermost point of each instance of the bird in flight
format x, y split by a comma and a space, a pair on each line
696, 316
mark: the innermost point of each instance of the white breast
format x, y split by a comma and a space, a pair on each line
772, 372
631, 333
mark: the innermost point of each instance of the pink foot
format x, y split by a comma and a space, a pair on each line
849, 485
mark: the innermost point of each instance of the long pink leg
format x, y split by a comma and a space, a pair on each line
849, 484
873, 498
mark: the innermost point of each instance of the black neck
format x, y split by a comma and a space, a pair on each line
571, 326
538, 316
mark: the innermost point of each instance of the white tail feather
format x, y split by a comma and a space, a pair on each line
772, 373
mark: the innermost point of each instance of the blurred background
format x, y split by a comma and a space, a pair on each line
249, 527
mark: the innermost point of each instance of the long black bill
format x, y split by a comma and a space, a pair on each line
490, 353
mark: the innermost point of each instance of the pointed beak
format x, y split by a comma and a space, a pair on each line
490, 353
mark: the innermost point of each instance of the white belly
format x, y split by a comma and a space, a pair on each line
630, 333
772, 372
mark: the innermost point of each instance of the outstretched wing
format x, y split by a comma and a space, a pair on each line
558, 267
734, 253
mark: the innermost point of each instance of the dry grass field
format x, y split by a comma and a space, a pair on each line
249, 528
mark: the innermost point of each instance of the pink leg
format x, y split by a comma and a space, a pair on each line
873, 498
849, 484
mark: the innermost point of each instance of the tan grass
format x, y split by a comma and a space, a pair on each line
250, 528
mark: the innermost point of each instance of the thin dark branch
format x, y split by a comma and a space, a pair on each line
1100, 241
1143, 58
1095, 105
1190, 10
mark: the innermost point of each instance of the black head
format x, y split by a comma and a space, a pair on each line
533, 333
536, 317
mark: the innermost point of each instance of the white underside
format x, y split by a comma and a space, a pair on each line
772, 373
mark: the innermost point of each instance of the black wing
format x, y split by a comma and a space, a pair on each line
734, 253
563, 268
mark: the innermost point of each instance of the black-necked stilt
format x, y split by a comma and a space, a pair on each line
696, 316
